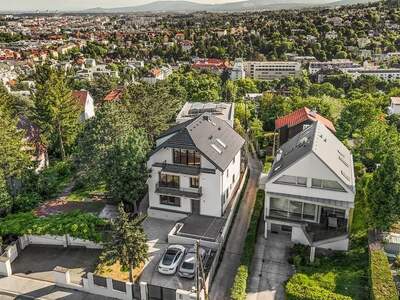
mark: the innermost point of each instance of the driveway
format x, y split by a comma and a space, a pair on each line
223, 281
38, 262
270, 268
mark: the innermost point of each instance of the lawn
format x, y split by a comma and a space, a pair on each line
116, 272
84, 193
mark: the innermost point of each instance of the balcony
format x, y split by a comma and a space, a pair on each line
327, 229
183, 169
178, 191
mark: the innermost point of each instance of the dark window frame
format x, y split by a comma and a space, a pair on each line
170, 200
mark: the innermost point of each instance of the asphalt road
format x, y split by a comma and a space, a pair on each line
220, 289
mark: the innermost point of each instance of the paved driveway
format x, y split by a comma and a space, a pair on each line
38, 262
270, 268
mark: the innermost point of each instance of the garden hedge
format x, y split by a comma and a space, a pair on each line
302, 287
383, 286
76, 224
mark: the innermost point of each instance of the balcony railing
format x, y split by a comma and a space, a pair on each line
178, 191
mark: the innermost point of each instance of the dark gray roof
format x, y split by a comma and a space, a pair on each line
325, 145
208, 134
293, 150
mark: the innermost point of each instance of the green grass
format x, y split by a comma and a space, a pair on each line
83, 193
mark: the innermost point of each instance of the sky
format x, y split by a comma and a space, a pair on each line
7, 5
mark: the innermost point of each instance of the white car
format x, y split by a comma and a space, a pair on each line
171, 259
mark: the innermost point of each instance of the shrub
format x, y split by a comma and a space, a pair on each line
383, 286
299, 283
51, 180
76, 224
26, 202
238, 291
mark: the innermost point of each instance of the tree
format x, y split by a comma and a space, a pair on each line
5, 198
128, 243
56, 113
125, 163
384, 192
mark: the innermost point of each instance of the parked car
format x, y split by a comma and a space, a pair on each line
171, 259
188, 266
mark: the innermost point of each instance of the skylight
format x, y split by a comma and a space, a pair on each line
221, 143
219, 151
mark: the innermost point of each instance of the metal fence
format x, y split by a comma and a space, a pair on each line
160, 293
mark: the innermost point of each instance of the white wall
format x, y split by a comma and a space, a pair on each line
89, 107
298, 236
341, 245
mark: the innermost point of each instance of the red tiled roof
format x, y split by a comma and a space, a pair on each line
301, 115
80, 96
114, 95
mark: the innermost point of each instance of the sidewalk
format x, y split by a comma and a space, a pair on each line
25, 288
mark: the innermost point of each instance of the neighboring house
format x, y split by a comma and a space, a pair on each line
295, 122
157, 74
270, 70
195, 169
237, 71
86, 102
394, 107
114, 95
224, 111
210, 64
310, 190
37, 150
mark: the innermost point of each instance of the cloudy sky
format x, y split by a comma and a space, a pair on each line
78, 4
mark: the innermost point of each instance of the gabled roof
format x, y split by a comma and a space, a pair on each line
325, 145
209, 135
301, 115
80, 96
114, 95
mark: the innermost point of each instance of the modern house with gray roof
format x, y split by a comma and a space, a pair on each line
310, 190
195, 168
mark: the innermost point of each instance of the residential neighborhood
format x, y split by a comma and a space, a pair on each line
181, 150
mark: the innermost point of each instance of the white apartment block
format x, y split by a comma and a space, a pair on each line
270, 70
310, 190
195, 169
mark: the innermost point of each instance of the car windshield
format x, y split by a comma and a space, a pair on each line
169, 257
188, 266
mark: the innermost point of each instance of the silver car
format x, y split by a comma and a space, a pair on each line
188, 266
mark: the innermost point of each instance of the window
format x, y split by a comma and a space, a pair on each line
327, 185
167, 180
284, 208
170, 200
186, 157
194, 182
233, 178
227, 173
293, 180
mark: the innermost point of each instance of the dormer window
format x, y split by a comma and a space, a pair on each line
186, 157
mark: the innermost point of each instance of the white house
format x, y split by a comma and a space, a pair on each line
310, 190
237, 71
195, 169
86, 101
394, 107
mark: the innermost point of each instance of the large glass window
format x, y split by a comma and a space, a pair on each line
292, 180
186, 157
170, 200
167, 180
327, 185
284, 208
194, 182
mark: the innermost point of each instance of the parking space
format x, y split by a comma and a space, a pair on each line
38, 262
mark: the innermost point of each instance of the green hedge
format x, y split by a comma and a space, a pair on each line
302, 287
238, 291
77, 224
383, 286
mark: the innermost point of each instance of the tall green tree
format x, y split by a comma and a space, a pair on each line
56, 113
125, 163
128, 243
384, 192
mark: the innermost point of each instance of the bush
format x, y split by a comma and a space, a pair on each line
238, 291
299, 283
26, 202
383, 286
86, 226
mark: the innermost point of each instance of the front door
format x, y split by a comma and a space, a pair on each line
195, 207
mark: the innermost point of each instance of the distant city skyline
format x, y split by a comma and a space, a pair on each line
79, 4
52, 5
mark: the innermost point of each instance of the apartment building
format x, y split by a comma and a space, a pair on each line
270, 70
195, 168
310, 190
